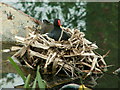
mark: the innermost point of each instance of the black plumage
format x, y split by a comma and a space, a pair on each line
56, 32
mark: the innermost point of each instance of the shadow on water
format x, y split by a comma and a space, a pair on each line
99, 24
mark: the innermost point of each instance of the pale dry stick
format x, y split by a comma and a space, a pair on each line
66, 65
34, 62
44, 40
106, 54
31, 57
32, 35
83, 48
59, 70
39, 45
46, 64
87, 71
94, 46
66, 72
65, 46
77, 45
97, 53
97, 64
53, 43
75, 51
21, 52
33, 53
107, 66
94, 81
76, 41
72, 39
81, 34
82, 59
87, 54
15, 48
87, 41
48, 58
93, 65
70, 71
101, 58
28, 43
67, 29
24, 40
74, 66
51, 58
28, 64
60, 36
75, 74
52, 40
89, 59
70, 42
89, 66
54, 66
19, 39
70, 55
29, 28
71, 66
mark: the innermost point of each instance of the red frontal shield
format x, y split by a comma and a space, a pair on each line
59, 23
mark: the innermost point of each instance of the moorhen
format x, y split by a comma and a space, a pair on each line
56, 32
46, 27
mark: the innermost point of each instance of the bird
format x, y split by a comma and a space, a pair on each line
56, 32
46, 27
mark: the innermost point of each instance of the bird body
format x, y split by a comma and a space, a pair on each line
46, 27
57, 32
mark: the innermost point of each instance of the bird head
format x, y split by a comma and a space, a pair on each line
46, 21
57, 22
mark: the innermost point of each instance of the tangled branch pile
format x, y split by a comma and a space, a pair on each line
72, 57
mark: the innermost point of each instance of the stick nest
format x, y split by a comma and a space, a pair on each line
74, 57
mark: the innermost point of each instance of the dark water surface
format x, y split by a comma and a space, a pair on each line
97, 20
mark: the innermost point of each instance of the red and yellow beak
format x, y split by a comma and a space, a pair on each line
60, 26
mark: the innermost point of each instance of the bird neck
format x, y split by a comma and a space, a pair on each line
57, 27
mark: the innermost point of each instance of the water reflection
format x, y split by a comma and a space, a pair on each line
10, 80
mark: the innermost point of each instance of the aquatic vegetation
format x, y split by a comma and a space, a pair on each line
38, 79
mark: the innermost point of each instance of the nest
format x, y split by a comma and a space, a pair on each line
74, 57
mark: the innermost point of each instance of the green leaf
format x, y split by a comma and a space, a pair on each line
39, 79
34, 84
27, 81
17, 69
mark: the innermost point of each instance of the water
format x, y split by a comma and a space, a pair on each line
73, 15
10, 80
